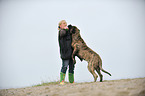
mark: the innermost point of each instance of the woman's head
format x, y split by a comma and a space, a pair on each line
62, 24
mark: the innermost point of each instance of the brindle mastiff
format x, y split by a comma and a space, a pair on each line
83, 52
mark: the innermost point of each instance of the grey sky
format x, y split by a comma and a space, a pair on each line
29, 51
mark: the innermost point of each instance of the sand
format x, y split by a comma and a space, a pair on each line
123, 87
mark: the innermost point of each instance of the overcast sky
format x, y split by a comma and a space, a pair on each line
29, 51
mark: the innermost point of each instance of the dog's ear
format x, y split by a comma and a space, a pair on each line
70, 26
72, 30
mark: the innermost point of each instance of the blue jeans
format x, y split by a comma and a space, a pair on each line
65, 64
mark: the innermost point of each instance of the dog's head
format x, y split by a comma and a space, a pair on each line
73, 29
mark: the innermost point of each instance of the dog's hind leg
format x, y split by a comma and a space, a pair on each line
92, 71
100, 75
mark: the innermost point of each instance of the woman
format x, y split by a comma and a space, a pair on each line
66, 50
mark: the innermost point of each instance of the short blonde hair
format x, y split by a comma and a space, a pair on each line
61, 22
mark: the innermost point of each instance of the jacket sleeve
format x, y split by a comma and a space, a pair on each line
62, 32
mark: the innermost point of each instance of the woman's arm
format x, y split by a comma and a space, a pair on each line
62, 32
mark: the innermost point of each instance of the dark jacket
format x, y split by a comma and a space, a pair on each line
65, 40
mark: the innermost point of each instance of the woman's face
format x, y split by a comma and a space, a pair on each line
63, 24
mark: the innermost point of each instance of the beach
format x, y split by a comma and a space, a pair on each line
122, 87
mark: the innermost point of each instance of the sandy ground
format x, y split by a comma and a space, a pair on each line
124, 87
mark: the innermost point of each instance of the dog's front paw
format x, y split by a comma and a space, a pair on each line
81, 59
74, 61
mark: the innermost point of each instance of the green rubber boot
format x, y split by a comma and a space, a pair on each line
62, 78
71, 77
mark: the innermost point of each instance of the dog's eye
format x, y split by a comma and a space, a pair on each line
73, 31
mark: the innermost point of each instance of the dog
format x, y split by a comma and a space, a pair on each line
83, 52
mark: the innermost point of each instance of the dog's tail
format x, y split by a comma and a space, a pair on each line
105, 71
100, 66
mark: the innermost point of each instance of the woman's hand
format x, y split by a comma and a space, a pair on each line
66, 27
